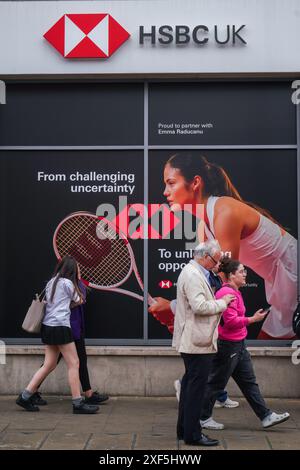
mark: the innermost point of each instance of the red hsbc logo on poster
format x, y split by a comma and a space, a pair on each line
89, 35
165, 284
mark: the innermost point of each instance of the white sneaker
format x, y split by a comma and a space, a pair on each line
226, 404
274, 418
177, 386
210, 423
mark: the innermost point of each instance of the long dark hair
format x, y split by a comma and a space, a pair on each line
229, 266
68, 269
216, 180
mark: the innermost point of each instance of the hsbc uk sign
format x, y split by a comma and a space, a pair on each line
99, 35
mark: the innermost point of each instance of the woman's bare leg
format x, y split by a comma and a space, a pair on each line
70, 356
50, 362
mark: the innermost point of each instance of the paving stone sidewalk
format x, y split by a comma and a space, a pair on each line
137, 423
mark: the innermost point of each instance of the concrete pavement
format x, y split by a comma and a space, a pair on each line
137, 423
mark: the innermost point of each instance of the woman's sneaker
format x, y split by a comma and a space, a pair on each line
273, 418
37, 399
210, 423
28, 405
96, 398
84, 409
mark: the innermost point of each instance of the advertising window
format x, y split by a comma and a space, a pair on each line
69, 147
266, 181
39, 189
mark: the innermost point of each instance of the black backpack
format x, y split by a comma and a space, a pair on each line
296, 321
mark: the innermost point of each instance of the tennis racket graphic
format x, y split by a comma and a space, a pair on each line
102, 251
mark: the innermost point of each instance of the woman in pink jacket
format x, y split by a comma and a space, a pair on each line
233, 359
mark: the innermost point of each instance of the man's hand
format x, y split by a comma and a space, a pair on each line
228, 298
162, 312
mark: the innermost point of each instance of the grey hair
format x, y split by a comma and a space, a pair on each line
209, 247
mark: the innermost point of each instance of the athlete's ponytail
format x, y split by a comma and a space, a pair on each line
218, 182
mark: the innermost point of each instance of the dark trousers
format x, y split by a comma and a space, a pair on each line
222, 397
197, 368
233, 360
83, 369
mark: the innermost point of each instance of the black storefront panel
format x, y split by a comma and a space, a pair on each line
72, 114
222, 113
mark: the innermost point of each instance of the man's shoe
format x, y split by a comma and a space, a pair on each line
274, 418
210, 423
203, 441
84, 409
37, 399
226, 404
96, 398
26, 404
177, 386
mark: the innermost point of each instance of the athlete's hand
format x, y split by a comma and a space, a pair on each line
161, 310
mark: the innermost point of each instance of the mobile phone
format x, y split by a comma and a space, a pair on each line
267, 310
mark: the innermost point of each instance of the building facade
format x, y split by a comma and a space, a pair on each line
98, 95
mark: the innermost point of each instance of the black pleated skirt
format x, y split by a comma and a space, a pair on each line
55, 335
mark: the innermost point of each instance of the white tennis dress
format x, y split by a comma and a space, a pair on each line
272, 256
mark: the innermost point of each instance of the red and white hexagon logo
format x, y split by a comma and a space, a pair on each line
90, 35
165, 284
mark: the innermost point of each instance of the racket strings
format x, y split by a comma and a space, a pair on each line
117, 264
67, 232
113, 267
103, 256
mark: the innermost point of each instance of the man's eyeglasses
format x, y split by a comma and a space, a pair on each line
213, 259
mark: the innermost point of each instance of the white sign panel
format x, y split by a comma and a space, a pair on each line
149, 37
